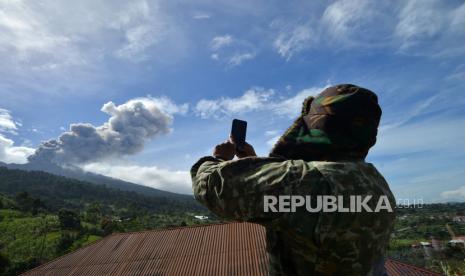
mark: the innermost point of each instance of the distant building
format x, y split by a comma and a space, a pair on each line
459, 219
461, 238
216, 249
456, 242
436, 244
427, 249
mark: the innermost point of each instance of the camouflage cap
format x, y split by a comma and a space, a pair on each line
340, 123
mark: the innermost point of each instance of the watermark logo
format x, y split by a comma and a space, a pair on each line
325, 203
410, 203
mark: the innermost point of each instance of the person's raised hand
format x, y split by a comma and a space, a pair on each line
225, 150
246, 151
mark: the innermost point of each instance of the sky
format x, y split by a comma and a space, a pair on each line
140, 90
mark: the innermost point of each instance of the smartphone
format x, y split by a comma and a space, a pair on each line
238, 131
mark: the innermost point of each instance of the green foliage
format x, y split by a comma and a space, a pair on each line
109, 226
93, 213
56, 192
45, 216
83, 241
67, 239
4, 263
414, 225
69, 220
26, 203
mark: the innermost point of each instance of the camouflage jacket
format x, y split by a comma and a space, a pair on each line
302, 242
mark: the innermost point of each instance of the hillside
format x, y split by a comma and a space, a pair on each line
58, 191
43, 216
79, 174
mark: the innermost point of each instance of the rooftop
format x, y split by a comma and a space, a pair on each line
216, 249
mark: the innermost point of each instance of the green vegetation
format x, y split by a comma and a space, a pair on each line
57, 192
434, 226
43, 216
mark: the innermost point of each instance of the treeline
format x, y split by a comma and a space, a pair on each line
423, 223
43, 216
32, 233
56, 192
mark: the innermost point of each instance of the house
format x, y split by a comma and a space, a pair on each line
427, 249
459, 219
215, 249
460, 238
456, 242
436, 244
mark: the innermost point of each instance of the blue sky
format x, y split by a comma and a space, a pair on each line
195, 65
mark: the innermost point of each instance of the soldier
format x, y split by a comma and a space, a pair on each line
321, 154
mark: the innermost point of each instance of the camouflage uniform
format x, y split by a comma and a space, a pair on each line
302, 243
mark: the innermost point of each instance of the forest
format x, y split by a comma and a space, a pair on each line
43, 216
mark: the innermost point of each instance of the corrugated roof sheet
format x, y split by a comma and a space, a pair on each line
394, 267
218, 249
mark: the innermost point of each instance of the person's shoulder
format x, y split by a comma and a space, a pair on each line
342, 164
346, 168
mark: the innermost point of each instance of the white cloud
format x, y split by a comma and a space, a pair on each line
56, 48
457, 194
273, 140
420, 20
271, 133
251, 100
219, 42
143, 26
416, 110
6, 121
352, 20
37, 33
237, 59
289, 42
343, 24
458, 20
233, 52
256, 99
431, 28
152, 176
201, 16
25, 32
9, 153
293, 106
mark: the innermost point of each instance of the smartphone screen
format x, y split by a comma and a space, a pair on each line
238, 131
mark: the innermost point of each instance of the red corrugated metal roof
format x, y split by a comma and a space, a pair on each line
394, 267
217, 249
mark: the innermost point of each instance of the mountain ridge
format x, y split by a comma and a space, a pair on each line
79, 174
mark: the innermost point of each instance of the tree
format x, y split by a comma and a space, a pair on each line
93, 213
65, 241
69, 220
109, 226
24, 201
4, 263
36, 205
